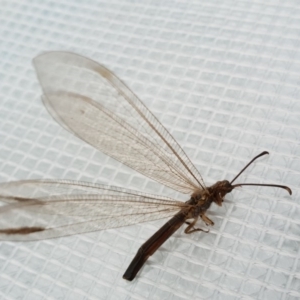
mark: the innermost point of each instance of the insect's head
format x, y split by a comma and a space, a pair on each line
220, 189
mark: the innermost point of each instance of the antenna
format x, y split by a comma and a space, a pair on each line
258, 184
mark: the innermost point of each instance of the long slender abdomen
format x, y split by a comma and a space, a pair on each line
152, 244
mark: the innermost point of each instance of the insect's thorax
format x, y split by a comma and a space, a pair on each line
201, 200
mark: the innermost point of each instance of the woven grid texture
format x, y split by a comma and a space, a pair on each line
223, 77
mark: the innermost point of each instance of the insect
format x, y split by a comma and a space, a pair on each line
92, 103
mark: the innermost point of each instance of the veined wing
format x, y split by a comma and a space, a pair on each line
92, 103
29, 213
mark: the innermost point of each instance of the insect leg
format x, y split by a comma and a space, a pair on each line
191, 228
207, 220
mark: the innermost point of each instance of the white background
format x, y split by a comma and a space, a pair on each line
223, 77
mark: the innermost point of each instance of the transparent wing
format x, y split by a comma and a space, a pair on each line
29, 213
92, 103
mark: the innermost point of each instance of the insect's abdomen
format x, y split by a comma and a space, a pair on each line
153, 243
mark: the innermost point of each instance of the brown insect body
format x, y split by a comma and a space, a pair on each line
199, 203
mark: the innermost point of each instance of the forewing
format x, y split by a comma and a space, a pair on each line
92, 103
29, 213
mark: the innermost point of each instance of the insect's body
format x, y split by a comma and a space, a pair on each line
199, 203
